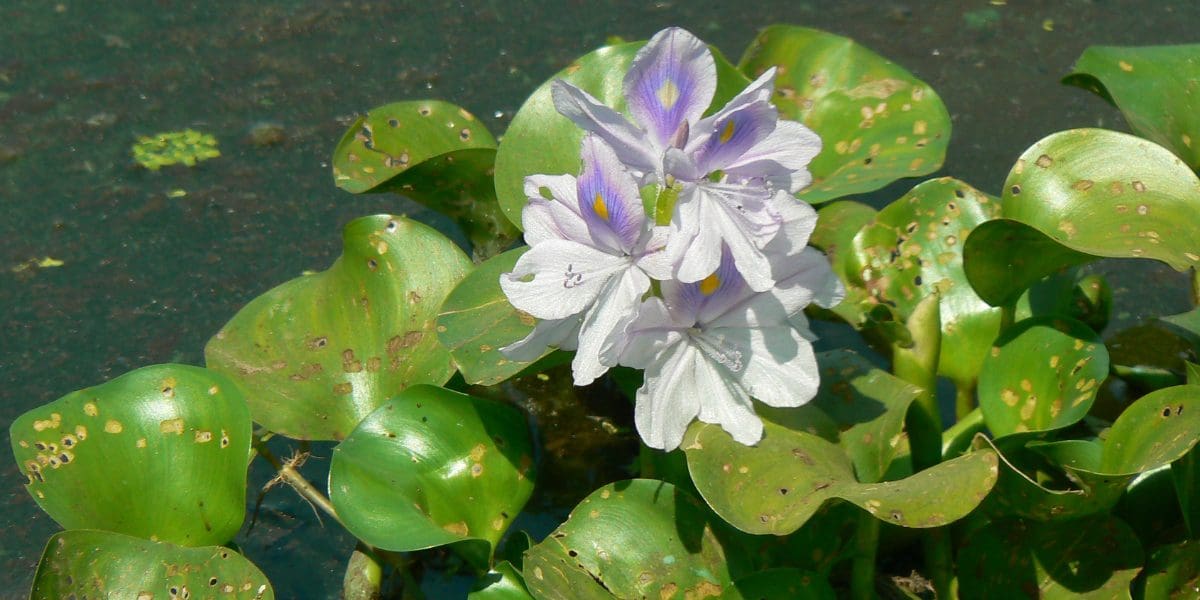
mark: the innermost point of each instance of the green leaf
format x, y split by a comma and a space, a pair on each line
1097, 557
159, 452
775, 486
1172, 572
1154, 86
913, 249
1042, 374
1187, 325
433, 467
632, 539
865, 408
1107, 194
1002, 258
1157, 429
433, 152
1070, 294
796, 584
320, 352
503, 582
477, 320
1081, 477
837, 224
877, 122
101, 564
541, 141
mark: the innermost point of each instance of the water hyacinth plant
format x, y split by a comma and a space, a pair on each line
684, 221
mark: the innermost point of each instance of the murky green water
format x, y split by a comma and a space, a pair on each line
155, 262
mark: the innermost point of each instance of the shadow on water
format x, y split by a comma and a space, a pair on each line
155, 262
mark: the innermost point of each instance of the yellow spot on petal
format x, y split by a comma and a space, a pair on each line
600, 207
727, 133
710, 284
668, 94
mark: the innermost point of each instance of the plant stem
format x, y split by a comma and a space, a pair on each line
918, 364
964, 399
862, 571
956, 439
288, 474
1008, 315
364, 575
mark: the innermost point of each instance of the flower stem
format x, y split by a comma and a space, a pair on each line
964, 399
287, 473
866, 544
918, 364
957, 438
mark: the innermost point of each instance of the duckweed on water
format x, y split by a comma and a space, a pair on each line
174, 147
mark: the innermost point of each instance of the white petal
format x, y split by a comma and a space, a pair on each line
545, 220
670, 398
782, 158
725, 403
630, 143
695, 242
613, 309
645, 338
560, 333
778, 365
566, 278
651, 253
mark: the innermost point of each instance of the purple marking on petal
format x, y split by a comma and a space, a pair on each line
608, 197
671, 83
781, 159
735, 134
705, 299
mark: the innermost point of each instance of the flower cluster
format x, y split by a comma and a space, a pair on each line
724, 323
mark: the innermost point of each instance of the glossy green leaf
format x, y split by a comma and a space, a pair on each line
776, 485
914, 248
858, 405
320, 352
539, 140
1042, 374
837, 224
796, 584
1002, 258
433, 467
1157, 429
1154, 86
159, 452
1097, 557
503, 582
632, 539
1071, 478
1085, 298
1107, 194
1172, 572
1053, 482
433, 152
877, 122
477, 320
83, 563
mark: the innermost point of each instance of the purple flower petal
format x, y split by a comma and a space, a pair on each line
781, 159
590, 115
608, 198
670, 84
734, 134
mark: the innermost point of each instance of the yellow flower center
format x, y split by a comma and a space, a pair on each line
710, 284
728, 132
600, 207
668, 94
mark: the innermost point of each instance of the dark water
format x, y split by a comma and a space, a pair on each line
147, 277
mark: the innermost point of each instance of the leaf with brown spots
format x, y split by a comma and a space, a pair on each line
433, 467
877, 122
83, 563
634, 539
159, 452
435, 153
318, 353
1154, 86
